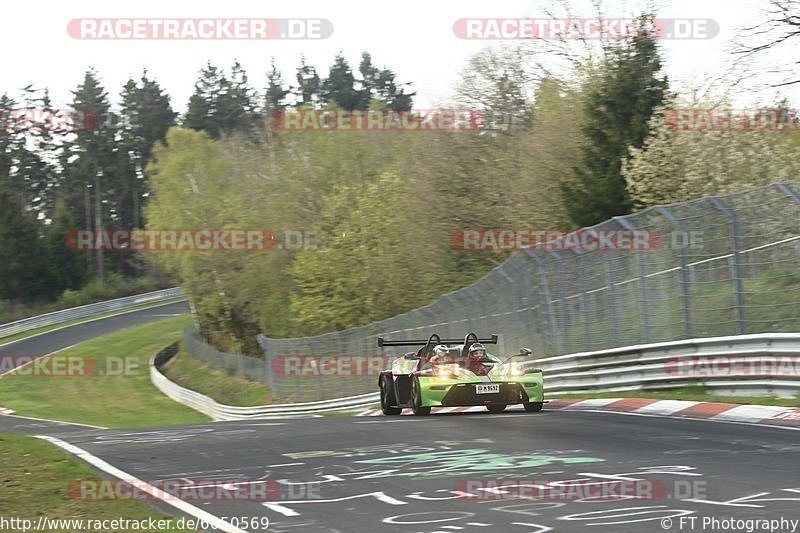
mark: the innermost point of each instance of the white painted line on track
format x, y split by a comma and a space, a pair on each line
64, 422
214, 521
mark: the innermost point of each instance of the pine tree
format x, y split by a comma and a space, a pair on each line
340, 87
220, 105
92, 178
202, 110
66, 268
619, 106
275, 96
308, 85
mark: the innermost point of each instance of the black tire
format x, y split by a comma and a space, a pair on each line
496, 407
416, 400
533, 406
388, 399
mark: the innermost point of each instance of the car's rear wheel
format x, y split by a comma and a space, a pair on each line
387, 398
533, 406
496, 407
416, 400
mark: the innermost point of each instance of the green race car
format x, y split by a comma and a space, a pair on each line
443, 374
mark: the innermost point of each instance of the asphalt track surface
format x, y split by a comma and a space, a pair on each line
63, 338
595, 472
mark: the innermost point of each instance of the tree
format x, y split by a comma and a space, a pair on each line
675, 165
619, 105
20, 250
779, 31
340, 87
220, 105
369, 230
66, 269
308, 85
276, 93
202, 104
92, 178
498, 83
379, 86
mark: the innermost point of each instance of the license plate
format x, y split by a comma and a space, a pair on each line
487, 389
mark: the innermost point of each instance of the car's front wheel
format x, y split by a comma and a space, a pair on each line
387, 398
416, 400
533, 406
496, 407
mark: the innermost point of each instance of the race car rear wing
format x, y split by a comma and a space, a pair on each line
423, 342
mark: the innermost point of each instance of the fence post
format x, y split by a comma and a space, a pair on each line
524, 303
587, 335
788, 191
269, 378
562, 298
547, 300
687, 323
738, 282
623, 221
612, 297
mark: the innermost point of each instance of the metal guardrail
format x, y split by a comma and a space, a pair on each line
665, 366
639, 367
66, 315
217, 411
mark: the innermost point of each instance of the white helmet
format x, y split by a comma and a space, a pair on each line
440, 350
477, 350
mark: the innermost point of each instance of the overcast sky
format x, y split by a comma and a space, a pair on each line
413, 37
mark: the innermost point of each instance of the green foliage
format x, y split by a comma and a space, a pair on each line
619, 105
674, 165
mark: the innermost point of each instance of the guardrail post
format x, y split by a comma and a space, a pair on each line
738, 281
687, 322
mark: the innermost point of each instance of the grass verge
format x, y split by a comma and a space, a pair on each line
124, 399
221, 386
35, 480
693, 393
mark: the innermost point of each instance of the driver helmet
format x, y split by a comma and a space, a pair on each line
440, 351
477, 351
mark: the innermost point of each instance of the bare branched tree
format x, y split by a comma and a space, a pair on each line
779, 30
